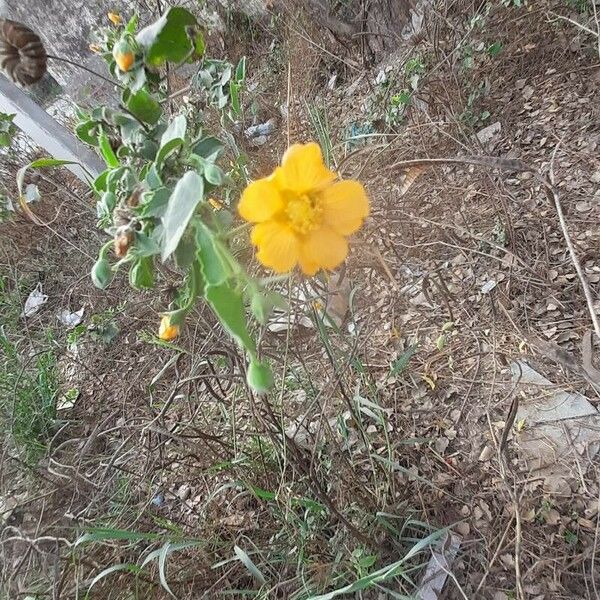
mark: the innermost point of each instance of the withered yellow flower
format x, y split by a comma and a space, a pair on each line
166, 331
303, 213
115, 18
216, 204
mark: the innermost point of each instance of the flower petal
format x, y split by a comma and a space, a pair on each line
260, 201
345, 206
323, 248
303, 169
278, 246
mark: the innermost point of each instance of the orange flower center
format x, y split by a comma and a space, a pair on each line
304, 212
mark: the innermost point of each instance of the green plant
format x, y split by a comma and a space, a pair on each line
8, 130
167, 546
161, 172
28, 387
470, 115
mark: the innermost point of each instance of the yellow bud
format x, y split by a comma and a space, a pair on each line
115, 18
124, 60
166, 331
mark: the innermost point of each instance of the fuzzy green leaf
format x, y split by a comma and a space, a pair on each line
186, 196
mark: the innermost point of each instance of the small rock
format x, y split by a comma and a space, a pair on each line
527, 92
184, 491
552, 517
557, 486
263, 129
520, 83
508, 560
583, 206
486, 134
463, 528
595, 178
486, 454
586, 524
441, 444
261, 140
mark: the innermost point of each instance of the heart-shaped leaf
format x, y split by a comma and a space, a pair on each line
168, 39
144, 107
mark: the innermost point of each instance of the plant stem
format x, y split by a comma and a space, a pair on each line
91, 71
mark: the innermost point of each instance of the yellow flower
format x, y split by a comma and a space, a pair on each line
115, 18
124, 60
166, 331
95, 48
302, 214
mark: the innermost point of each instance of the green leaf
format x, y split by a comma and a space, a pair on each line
101, 534
132, 25
495, 49
214, 269
262, 303
185, 253
39, 164
86, 133
199, 44
234, 94
384, 574
402, 361
167, 149
247, 562
213, 174
130, 567
229, 307
107, 152
240, 70
144, 107
100, 181
172, 138
141, 275
186, 196
155, 203
49, 162
209, 148
144, 245
153, 178
7, 129
167, 39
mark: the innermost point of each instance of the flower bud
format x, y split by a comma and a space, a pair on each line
260, 376
166, 331
123, 55
102, 273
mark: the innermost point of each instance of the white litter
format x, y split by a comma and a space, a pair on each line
34, 301
439, 566
71, 319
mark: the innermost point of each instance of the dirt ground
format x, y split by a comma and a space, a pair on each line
426, 403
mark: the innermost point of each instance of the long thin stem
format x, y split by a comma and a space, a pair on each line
80, 66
